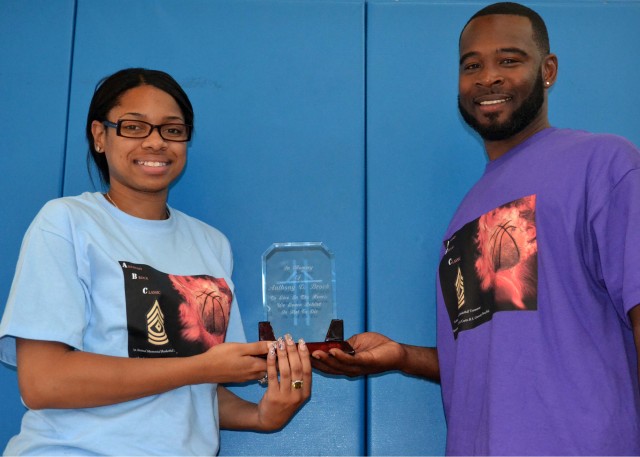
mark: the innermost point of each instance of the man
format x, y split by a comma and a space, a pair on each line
539, 284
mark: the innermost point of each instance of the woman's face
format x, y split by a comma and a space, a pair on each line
142, 165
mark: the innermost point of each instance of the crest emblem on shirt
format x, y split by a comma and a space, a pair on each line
155, 326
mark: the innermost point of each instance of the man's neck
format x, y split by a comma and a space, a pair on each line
496, 149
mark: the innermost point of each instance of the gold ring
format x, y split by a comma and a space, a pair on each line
297, 384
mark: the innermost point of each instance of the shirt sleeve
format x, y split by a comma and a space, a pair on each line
47, 299
617, 230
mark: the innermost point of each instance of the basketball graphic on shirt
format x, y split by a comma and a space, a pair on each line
491, 265
171, 315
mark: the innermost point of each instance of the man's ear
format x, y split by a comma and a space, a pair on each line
549, 70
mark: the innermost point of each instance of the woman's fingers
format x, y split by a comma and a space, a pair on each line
272, 371
289, 367
295, 364
305, 365
259, 348
283, 364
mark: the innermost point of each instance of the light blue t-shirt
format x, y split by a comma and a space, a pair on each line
102, 281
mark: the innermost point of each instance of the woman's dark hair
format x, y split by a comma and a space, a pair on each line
107, 95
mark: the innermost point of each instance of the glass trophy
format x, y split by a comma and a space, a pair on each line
298, 294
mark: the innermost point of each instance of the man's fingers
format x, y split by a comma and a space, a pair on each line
318, 364
342, 356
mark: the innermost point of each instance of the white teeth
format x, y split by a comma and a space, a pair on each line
152, 164
494, 102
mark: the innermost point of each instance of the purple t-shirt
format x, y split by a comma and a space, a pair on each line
540, 266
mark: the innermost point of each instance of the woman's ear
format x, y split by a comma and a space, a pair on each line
98, 131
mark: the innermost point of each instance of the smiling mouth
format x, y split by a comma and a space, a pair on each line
494, 102
151, 164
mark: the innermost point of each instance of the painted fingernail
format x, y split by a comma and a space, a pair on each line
302, 345
289, 339
272, 350
281, 344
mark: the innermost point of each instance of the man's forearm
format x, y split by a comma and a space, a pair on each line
421, 361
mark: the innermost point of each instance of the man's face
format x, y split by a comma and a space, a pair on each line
501, 90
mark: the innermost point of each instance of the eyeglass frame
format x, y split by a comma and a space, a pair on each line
118, 126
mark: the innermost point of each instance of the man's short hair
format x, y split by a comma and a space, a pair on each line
540, 34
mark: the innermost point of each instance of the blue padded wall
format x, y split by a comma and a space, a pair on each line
597, 48
418, 167
36, 39
421, 159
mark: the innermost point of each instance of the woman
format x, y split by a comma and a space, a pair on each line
121, 306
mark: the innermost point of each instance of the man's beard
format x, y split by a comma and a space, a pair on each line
521, 117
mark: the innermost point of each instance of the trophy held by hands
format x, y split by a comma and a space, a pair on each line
298, 294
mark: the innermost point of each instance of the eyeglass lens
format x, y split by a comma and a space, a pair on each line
141, 129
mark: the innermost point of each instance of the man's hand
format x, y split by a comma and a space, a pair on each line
375, 353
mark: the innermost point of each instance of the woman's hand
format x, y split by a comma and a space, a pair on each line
54, 375
284, 395
235, 362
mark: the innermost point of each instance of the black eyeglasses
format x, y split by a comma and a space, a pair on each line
129, 128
